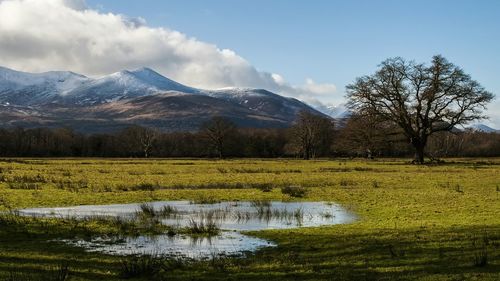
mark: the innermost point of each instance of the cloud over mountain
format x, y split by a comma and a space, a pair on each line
66, 34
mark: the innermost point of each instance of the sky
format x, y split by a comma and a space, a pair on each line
306, 49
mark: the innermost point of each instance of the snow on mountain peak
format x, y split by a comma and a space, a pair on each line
40, 86
146, 78
483, 128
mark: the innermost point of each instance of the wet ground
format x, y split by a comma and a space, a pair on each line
231, 217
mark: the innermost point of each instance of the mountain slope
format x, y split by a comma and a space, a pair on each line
22, 88
122, 85
484, 128
260, 100
141, 96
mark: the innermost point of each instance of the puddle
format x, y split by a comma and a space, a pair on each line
227, 243
230, 217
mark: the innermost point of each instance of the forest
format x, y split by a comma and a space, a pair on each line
311, 137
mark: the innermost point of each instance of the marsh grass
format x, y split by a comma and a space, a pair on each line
61, 272
29, 179
207, 226
148, 186
205, 199
347, 182
145, 186
266, 212
480, 250
85, 227
74, 186
148, 211
434, 224
24, 185
347, 169
296, 191
145, 266
326, 215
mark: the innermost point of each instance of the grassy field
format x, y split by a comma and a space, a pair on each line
437, 222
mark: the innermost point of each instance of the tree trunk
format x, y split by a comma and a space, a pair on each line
307, 153
419, 154
220, 148
219, 151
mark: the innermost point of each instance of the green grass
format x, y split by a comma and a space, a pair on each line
415, 222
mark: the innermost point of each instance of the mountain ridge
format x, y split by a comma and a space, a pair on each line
134, 97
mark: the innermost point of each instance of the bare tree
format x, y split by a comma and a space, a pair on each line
312, 133
368, 136
140, 138
147, 137
219, 131
421, 99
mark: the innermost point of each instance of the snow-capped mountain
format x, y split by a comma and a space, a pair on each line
122, 85
334, 111
483, 128
260, 100
21, 88
140, 96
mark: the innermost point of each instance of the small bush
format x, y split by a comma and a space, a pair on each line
146, 186
345, 182
222, 170
265, 187
294, 191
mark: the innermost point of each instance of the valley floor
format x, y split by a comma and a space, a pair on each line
424, 222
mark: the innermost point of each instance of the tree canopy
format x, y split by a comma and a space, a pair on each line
421, 99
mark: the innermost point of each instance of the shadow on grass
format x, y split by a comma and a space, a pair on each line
329, 253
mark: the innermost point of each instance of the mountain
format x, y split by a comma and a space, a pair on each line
122, 85
334, 111
21, 88
141, 97
483, 128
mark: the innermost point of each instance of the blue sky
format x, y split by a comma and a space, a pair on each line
335, 41
305, 49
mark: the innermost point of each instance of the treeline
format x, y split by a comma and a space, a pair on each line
312, 136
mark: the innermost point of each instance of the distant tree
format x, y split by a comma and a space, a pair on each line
140, 139
368, 136
312, 134
421, 99
263, 142
219, 131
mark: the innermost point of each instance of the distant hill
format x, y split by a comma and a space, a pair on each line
483, 128
141, 97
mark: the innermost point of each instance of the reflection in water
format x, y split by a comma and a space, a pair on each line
227, 243
231, 217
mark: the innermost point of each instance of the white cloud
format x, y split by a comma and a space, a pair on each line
38, 35
320, 89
